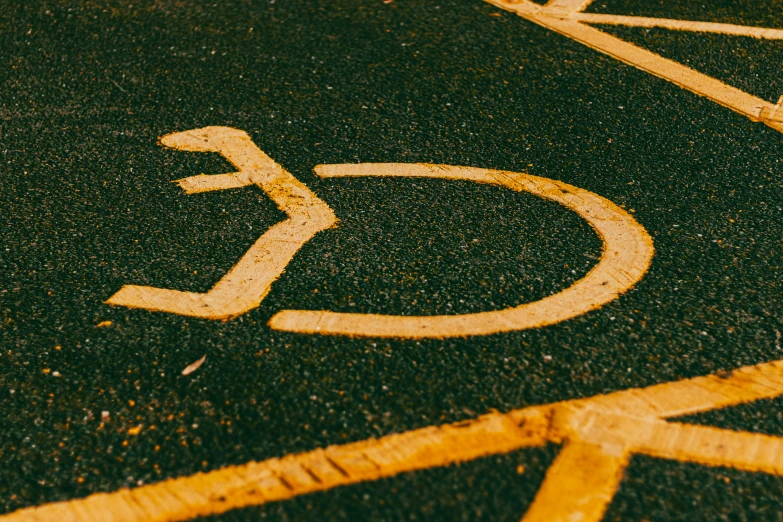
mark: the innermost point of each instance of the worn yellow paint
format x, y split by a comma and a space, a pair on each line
579, 484
625, 259
565, 17
598, 436
248, 282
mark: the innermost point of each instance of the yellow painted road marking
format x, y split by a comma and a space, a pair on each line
626, 256
625, 259
774, 113
248, 282
565, 17
598, 435
579, 484
764, 33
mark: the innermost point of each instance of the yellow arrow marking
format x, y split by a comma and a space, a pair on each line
626, 256
598, 434
248, 282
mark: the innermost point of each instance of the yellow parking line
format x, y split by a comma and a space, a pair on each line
682, 25
563, 16
290, 476
582, 480
598, 434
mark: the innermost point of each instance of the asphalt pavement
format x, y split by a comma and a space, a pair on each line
88, 203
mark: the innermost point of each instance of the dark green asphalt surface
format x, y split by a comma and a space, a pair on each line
86, 88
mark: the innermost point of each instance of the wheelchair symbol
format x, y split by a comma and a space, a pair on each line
626, 256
